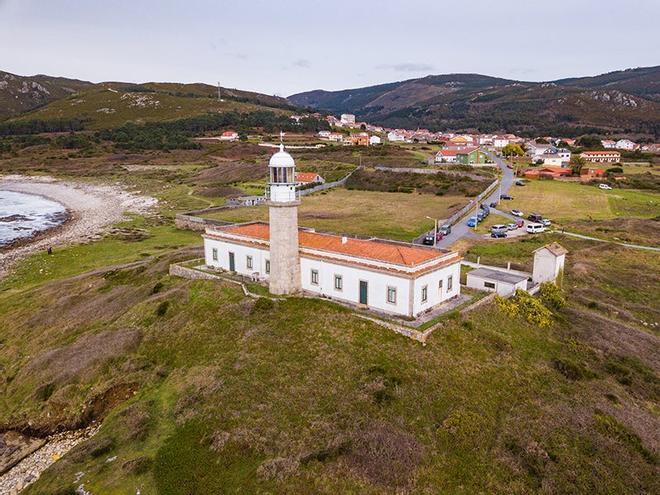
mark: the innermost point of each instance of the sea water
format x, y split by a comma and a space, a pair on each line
24, 215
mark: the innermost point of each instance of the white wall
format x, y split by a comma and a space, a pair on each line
259, 257
432, 281
377, 282
547, 266
502, 288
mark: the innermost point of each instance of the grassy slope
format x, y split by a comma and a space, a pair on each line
225, 385
397, 216
90, 105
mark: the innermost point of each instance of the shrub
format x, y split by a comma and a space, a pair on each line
551, 296
162, 308
262, 305
571, 370
610, 427
523, 304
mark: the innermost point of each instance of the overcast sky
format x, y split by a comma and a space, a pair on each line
287, 46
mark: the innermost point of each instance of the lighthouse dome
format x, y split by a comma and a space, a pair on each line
281, 159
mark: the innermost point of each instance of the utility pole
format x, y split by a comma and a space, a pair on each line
219, 92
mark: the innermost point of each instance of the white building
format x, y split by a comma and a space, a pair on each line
625, 144
374, 140
347, 118
504, 283
229, 136
386, 276
395, 137
548, 263
500, 141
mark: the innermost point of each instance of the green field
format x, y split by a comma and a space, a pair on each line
398, 216
566, 201
214, 393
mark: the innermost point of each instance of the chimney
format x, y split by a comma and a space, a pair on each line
344, 239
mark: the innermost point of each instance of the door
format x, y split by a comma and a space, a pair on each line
232, 263
363, 292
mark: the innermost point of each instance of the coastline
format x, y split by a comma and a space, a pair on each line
90, 209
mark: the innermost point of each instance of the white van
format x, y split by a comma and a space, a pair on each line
535, 228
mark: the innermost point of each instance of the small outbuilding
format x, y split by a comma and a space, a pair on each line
548, 263
504, 283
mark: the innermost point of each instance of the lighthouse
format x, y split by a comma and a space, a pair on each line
282, 200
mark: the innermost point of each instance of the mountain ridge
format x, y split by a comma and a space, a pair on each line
618, 101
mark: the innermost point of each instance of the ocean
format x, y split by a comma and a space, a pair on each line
24, 215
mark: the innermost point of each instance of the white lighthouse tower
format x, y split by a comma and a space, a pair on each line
283, 212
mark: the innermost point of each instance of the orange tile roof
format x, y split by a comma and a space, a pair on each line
306, 176
373, 249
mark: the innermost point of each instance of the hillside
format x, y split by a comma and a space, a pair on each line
112, 104
20, 94
620, 102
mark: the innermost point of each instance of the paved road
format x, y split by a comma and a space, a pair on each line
460, 228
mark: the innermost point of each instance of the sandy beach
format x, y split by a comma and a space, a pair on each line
92, 208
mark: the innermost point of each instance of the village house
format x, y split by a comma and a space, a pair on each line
547, 172
229, 136
500, 141
601, 156
446, 155
395, 137
626, 144
385, 276
587, 174
608, 144
304, 178
347, 119
374, 140
360, 139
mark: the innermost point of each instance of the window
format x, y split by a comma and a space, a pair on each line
338, 282
450, 282
489, 285
267, 266
214, 254
425, 293
315, 277
248, 262
391, 295
440, 285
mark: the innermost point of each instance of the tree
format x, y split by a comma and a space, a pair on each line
512, 149
576, 165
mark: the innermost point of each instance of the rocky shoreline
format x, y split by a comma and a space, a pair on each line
92, 208
29, 468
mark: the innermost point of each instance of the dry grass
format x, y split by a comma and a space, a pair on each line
397, 216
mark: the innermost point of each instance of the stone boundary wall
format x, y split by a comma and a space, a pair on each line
472, 204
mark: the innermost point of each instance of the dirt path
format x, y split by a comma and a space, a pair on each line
92, 208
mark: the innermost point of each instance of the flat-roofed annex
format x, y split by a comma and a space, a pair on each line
378, 250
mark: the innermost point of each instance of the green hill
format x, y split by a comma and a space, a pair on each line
114, 104
619, 102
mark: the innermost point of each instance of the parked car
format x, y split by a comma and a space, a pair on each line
605, 187
428, 240
498, 228
481, 216
546, 222
506, 196
445, 230
498, 234
493, 204
520, 182
517, 213
520, 223
439, 236
535, 217
511, 226
472, 222
535, 228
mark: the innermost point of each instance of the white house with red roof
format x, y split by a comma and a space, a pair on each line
229, 136
385, 276
303, 178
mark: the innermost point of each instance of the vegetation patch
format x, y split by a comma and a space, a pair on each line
609, 426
